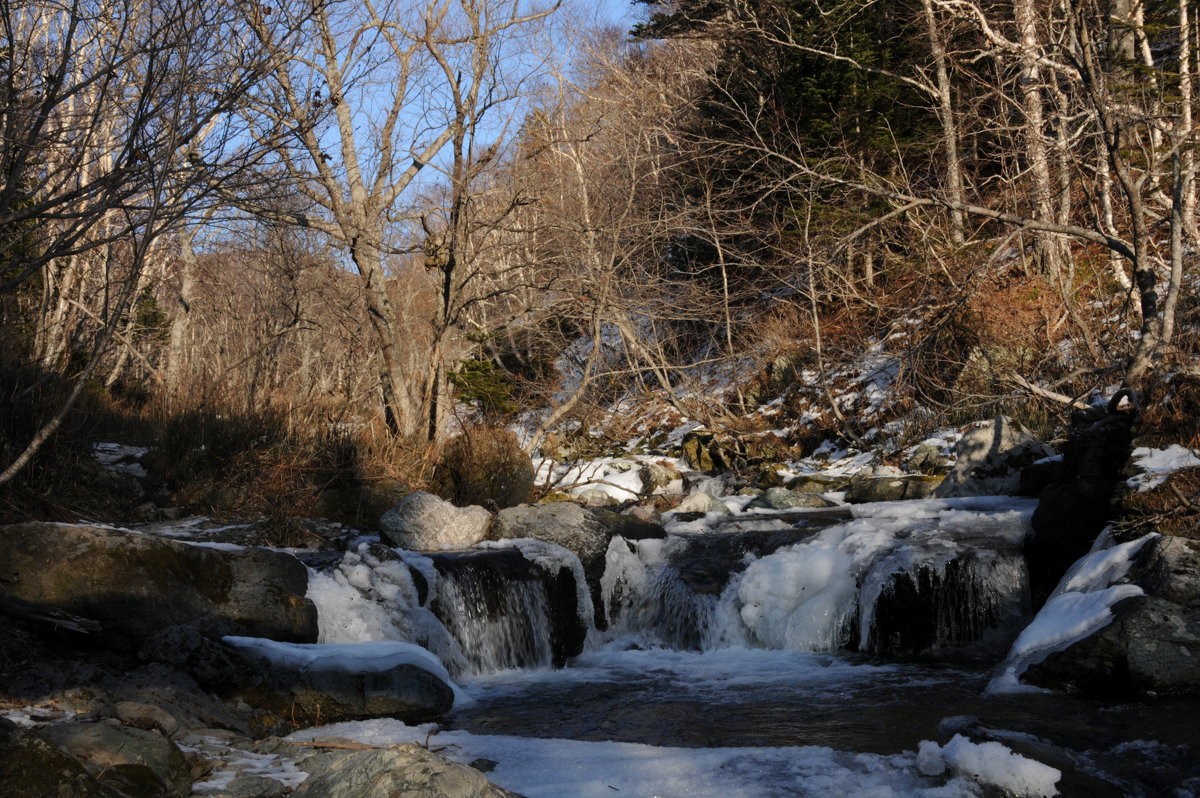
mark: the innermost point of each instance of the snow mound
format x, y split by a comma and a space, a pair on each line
989, 763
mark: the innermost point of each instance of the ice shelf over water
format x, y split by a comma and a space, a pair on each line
552, 768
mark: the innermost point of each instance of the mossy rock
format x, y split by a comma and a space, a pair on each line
484, 466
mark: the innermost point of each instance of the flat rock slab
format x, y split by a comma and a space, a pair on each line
136, 585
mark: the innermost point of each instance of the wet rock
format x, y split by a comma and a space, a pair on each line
975, 603
400, 770
30, 767
423, 522
499, 591
136, 585
139, 759
884, 484
1073, 510
568, 525
313, 697
784, 499
990, 459
632, 526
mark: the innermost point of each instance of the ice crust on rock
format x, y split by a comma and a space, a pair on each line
989, 763
373, 657
1079, 605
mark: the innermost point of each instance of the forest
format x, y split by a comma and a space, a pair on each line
323, 238
544, 398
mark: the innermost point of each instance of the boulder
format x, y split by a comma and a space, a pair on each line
135, 585
1169, 568
990, 458
30, 767
134, 756
314, 684
564, 523
784, 499
395, 771
702, 503
423, 522
886, 484
1151, 648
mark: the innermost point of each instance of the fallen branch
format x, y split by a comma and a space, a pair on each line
1046, 393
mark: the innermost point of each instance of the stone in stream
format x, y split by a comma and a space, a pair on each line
423, 522
398, 770
1151, 647
135, 585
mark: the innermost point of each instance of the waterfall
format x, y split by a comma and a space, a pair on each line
899, 579
903, 579
519, 604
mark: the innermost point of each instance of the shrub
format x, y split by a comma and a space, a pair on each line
484, 466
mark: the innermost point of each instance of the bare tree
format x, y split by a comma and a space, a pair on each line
382, 90
118, 120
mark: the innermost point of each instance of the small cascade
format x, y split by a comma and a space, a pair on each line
522, 604
494, 605
903, 579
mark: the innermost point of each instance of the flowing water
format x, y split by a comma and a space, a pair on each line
789, 660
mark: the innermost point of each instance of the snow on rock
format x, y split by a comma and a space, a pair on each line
989, 763
1156, 465
1079, 606
373, 657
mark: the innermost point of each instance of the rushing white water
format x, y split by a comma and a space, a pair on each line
813, 595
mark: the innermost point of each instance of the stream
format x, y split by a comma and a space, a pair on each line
847, 657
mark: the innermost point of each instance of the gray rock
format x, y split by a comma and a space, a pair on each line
888, 485
595, 497
423, 522
399, 770
1151, 648
255, 787
990, 459
32, 768
784, 499
1169, 567
657, 476
564, 523
145, 716
136, 585
702, 503
818, 483
103, 748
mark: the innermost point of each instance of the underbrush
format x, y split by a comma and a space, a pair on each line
62, 481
